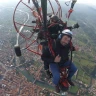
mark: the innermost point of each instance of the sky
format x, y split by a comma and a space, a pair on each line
90, 2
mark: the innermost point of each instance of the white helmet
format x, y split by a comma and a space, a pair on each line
67, 32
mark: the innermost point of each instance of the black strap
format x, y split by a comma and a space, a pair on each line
71, 53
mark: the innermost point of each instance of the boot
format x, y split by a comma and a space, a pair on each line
48, 74
57, 89
70, 82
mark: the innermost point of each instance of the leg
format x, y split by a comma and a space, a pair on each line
55, 72
56, 76
46, 66
72, 69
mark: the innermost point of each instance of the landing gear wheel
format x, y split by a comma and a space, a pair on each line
17, 50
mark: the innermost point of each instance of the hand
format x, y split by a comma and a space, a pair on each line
76, 25
57, 59
76, 48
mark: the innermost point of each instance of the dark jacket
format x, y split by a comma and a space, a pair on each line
62, 51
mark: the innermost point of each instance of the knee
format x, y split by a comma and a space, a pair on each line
73, 68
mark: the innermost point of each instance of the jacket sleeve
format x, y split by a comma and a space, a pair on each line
46, 56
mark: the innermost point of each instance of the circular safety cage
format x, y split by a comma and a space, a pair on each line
28, 18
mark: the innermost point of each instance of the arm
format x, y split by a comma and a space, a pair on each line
46, 56
72, 48
75, 48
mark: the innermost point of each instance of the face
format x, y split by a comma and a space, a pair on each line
65, 40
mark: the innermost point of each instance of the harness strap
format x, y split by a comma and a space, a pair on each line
71, 48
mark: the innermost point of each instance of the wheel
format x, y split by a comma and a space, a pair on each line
17, 50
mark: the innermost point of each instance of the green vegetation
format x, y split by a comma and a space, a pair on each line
74, 89
45, 85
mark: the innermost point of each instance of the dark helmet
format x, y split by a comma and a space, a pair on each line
55, 19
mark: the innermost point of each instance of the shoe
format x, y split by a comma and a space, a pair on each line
48, 74
70, 82
57, 89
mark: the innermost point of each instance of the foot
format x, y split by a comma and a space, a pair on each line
70, 82
48, 74
57, 89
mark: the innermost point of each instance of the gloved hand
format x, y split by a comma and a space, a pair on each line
48, 74
75, 26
